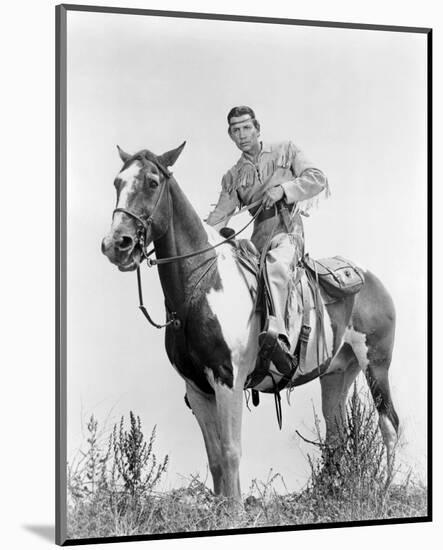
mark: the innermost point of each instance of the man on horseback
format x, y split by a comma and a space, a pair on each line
279, 177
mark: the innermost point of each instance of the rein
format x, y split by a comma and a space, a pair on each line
150, 262
143, 227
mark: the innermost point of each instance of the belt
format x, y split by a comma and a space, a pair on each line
268, 213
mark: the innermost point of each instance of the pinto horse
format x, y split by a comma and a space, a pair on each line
212, 333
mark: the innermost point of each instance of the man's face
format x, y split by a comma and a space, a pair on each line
244, 134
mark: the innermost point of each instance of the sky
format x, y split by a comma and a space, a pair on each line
353, 100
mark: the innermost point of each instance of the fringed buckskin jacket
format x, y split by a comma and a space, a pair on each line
282, 164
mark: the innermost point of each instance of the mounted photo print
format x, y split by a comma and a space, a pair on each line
243, 282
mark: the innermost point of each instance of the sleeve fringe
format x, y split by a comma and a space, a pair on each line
308, 204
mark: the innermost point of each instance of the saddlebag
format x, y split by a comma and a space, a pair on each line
337, 276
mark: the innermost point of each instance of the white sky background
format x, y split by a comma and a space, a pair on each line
354, 101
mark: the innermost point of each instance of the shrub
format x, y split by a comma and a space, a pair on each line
351, 480
134, 458
110, 492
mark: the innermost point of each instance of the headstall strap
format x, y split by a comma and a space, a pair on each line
143, 225
141, 240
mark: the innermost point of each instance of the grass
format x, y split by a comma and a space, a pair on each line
112, 487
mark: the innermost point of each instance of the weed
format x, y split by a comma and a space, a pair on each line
134, 458
112, 486
352, 480
111, 492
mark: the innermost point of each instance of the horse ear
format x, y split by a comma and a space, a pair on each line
124, 156
169, 158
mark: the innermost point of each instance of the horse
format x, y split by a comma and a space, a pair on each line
212, 327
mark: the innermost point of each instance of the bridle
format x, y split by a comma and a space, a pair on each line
142, 232
144, 225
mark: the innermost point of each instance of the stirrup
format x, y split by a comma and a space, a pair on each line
273, 348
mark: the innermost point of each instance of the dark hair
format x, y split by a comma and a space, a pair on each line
242, 110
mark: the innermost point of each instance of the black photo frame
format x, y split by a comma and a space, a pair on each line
66, 215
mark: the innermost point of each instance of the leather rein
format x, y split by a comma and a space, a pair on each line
143, 226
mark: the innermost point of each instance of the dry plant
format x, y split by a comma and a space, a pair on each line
111, 491
352, 479
112, 486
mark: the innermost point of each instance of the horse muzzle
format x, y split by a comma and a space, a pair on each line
122, 251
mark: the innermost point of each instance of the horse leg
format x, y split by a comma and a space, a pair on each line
378, 381
374, 324
229, 416
335, 386
205, 410
374, 357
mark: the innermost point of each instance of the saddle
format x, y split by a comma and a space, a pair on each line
336, 278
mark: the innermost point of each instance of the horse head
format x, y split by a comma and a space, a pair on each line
142, 211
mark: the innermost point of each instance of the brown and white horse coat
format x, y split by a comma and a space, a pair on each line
216, 348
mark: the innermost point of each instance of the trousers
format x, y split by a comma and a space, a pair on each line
281, 261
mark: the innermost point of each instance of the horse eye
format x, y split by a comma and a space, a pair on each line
153, 180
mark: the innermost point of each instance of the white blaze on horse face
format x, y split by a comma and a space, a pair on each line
128, 178
357, 341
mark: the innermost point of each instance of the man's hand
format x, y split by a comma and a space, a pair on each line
273, 195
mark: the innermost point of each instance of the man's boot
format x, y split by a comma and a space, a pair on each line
274, 346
